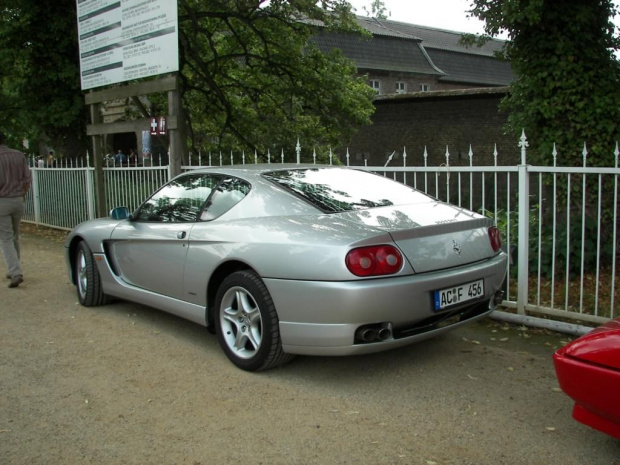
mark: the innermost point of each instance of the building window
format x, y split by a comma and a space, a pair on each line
401, 87
376, 85
424, 88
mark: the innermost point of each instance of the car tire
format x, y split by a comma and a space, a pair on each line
88, 281
247, 323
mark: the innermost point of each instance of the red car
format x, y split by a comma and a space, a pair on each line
588, 370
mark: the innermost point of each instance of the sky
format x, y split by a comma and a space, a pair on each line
442, 14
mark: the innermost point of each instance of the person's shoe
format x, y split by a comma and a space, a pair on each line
16, 280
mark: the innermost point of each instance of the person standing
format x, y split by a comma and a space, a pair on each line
119, 158
15, 179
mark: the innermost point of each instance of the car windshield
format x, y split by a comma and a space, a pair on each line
336, 190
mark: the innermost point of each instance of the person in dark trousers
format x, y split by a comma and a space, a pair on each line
15, 179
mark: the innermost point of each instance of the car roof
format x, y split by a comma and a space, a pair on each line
260, 168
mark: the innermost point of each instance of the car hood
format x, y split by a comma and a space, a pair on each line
600, 346
432, 235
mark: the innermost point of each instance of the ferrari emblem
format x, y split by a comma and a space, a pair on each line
456, 247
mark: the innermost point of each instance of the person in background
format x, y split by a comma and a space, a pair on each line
40, 162
15, 179
50, 159
119, 158
108, 159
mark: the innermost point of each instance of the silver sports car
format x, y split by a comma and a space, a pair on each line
280, 260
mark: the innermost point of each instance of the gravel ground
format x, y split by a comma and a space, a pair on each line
125, 384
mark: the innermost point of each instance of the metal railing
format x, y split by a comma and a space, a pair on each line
63, 195
559, 223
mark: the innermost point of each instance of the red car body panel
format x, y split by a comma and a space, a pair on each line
588, 370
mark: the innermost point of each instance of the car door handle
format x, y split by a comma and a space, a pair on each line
181, 235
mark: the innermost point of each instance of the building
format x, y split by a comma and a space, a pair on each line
401, 58
433, 94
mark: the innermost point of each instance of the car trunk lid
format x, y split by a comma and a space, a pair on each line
432, 235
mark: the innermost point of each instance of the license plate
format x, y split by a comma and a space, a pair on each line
450, 296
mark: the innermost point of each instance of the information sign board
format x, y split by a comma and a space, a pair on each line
121, 40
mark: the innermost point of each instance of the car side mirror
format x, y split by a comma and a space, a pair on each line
120, 213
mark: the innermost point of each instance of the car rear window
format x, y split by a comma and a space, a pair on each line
336, 190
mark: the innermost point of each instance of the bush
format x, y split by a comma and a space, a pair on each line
568, 242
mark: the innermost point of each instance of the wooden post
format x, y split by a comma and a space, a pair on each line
97, 129
177, 136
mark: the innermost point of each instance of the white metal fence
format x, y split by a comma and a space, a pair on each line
559, 223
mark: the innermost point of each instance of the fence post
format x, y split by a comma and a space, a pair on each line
524, 228
90, 192
35, 196
615, 229
404, 165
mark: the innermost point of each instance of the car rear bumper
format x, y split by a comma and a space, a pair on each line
325, 338
325, 318
595, 391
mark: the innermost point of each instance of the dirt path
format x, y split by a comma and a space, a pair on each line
125, 384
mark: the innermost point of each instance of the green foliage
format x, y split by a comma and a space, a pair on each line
253, 80
567, 89
572, 237
567, 246
377, 9
40, 97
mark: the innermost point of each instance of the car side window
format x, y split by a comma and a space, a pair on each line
225, 196
179, 201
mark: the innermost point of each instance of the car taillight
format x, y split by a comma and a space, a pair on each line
496, 238
374, 260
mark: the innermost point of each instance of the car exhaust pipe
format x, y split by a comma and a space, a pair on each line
366, 334
384, 334
373, 333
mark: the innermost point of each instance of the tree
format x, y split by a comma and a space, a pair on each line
567, 88
250, 74
40, 97
253, 79
377, 9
